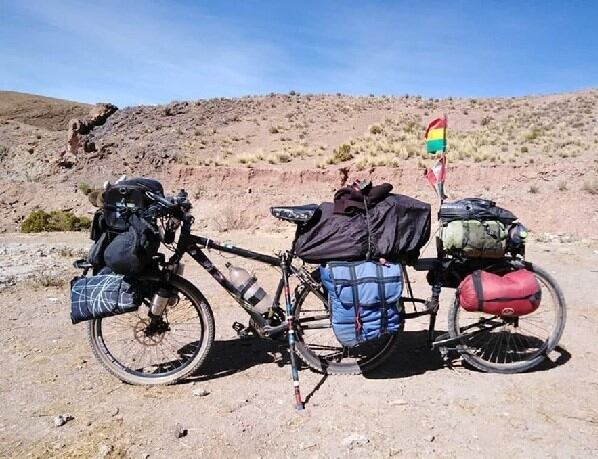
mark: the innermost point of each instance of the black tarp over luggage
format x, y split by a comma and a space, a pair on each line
400, 227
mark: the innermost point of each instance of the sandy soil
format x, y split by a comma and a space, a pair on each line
414, 407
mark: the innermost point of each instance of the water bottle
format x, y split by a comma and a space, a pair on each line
249, 288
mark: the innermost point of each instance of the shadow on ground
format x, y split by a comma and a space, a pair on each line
228, 357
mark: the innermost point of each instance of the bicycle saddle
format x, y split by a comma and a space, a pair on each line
295, 214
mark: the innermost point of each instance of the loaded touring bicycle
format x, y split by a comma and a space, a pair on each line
149, 325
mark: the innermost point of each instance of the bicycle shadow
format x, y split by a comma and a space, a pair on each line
548, 364
411, 357
228, 357
414, 357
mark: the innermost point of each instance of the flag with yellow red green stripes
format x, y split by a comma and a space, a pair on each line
436, 136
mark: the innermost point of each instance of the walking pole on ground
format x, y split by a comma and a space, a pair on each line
299, 405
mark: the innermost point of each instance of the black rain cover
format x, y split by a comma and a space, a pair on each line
400, 228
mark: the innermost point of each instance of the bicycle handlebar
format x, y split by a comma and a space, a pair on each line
177, 205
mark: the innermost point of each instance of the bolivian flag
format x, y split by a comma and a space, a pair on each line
436, 136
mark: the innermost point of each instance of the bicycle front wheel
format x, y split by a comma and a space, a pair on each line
318, 347
511, 344
138, 350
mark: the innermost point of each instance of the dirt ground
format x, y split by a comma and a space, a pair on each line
414, 407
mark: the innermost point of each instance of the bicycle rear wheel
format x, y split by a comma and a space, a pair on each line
320, 350
511, 345
139, 351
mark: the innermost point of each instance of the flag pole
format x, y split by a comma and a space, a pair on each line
443, 159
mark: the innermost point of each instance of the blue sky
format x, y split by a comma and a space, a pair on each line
134, 52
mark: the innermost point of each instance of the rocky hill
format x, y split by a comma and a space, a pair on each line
536, 155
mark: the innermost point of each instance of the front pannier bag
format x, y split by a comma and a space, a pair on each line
100, 296
515, 294
363, 299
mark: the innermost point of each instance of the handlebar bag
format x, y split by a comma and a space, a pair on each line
363, 299
515, 294
125, 197
103, 295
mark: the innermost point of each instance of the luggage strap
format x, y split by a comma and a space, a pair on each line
479, 291
369, 226
382, 294
356, 302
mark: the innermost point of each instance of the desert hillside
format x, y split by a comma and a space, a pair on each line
43, 112
535, 155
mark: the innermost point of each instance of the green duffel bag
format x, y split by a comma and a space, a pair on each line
474, 238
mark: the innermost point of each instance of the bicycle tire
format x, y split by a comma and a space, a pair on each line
478, 356
307, 353
126, 374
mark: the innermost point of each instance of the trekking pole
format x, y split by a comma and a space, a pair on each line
299, 405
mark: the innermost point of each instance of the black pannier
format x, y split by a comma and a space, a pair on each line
396, 228
126, 237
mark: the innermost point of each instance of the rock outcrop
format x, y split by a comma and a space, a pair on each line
79, 128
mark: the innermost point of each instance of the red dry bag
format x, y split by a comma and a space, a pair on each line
515, 294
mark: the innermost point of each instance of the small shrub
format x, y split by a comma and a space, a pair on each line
57, 220
533, 189
3, 151
273, 130
342, 153
70, 252
486, 120
85, 188
46, 279
230, 218
524, 149
375, 129
283, 157
563, 186
590, 187
292, 93
533, 134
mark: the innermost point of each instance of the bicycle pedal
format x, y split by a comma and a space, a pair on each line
243, 332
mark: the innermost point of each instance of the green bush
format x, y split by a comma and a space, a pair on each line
57, 220
343, 153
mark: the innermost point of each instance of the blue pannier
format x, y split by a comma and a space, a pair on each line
103, 295
364, 299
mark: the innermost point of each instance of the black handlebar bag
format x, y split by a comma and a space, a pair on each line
125, 197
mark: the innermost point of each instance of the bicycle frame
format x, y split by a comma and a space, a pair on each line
193, 245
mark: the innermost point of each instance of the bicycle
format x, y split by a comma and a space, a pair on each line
173, 345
